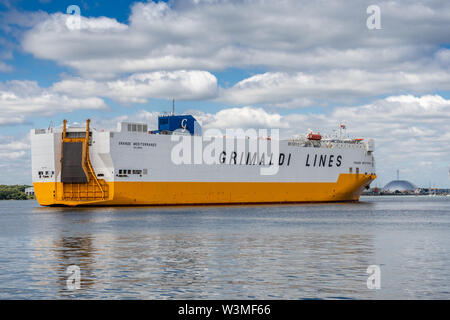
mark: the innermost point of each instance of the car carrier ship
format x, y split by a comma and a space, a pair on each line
80, 166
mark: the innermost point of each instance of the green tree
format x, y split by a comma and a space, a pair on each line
14, 192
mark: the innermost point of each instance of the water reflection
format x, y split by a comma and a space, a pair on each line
239, 252
191, 266
78, 251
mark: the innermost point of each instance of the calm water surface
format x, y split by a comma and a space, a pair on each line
228, 252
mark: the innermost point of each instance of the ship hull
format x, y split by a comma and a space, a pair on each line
347, 188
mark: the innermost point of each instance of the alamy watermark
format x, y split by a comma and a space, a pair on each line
374, 20
73, 21
248, 147
374, 279
73, 281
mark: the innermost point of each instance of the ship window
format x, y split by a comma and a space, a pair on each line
145, 171
129, 171
129, 127
350, 170
133, 126
120, 171
145, 128
357, 170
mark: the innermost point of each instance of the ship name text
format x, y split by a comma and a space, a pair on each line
137, 145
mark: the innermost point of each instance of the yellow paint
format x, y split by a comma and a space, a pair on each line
76, 193
347, 188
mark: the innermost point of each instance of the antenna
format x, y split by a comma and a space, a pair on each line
173, 107
398, 174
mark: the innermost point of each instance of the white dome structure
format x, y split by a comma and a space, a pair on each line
396, 186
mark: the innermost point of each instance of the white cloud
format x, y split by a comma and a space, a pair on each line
5, 67
299, 89
12, 24
213, 35
312, 53
137, 88
15, 160
13, 149
11, 120
245, 117
11, 155
22, 99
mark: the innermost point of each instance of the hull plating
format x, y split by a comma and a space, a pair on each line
348, 187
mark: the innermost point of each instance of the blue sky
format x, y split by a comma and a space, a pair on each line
291, 64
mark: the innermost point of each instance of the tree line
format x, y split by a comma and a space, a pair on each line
15, 192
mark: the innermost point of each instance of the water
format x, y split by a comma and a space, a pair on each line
228, 252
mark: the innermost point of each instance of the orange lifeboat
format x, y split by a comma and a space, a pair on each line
314, 136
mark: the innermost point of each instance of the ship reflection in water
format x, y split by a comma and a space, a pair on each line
237, 252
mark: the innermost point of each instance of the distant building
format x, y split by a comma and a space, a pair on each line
29, 191
399, 186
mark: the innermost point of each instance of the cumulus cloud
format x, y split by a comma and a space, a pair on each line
5, 67
21, 99
11, 119
299, 89
312, 53
13, 149
12, 24
215, 35
180, 85
245, 117
15, 161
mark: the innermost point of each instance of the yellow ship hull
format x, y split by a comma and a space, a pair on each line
348, 187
